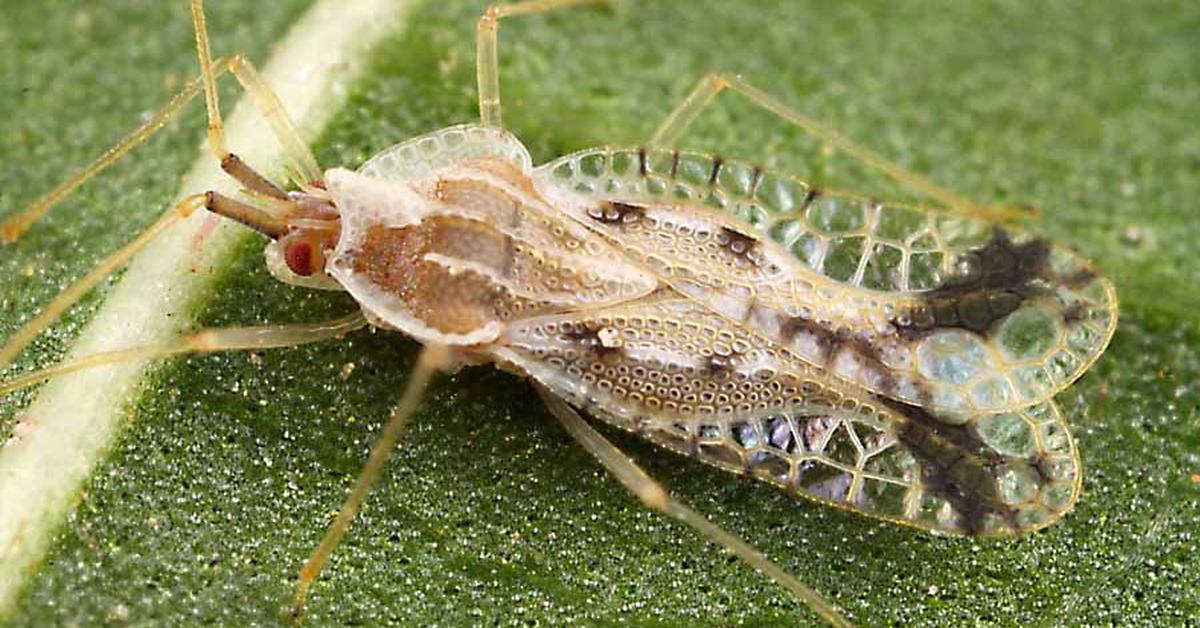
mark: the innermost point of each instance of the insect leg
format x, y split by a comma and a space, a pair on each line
487, 69
433, 358
303, 165
654, 496
106, 267
17, 224
202, 341
712, 84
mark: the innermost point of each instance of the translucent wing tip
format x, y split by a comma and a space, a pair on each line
994, 475
1015, 320
1020, 475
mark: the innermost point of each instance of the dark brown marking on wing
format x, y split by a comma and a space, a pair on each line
587, 336
977, 312
642, 161
830, 342
1079, 278
737, 243
1009, 274
616, 213
1074, 314
1003, 265
674, 163
1039, 462
718, 161
956, 465
956, 435
792, 326
870, 357
755, 179
720, 367
809, 196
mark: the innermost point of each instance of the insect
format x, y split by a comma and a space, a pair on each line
897, 361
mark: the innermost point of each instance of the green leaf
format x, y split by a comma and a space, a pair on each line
231, 465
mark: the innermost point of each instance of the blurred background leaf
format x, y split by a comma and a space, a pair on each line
232, 465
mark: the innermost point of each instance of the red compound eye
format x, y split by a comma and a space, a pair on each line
299, 257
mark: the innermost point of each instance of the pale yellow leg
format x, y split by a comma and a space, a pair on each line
14, 226
654, 496
303, 169
433, 358
302, 165
202, 341
75, 291
487, 69
712, 84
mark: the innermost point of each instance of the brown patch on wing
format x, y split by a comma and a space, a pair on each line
738, 244
589, 336
976, 312
616, 213
1003, 266
1009, 273
956, 465
755, 179
720, 366
1074, 314
809, 196
1079, 278
831, 342
794, 325
718, 162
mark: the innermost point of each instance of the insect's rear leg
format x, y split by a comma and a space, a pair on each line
487, 69
654, 496
712, 84
433, 358
201, 341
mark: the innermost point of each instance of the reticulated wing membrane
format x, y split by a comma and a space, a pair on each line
425, 154
681, 376
869, 460
925, 306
